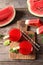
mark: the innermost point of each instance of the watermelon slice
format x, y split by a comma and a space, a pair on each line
39, 30
33, 22
7, 14
35, 7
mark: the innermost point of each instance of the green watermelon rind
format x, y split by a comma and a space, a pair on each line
11, 18
29, 8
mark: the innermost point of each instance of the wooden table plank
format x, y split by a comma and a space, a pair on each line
15, 3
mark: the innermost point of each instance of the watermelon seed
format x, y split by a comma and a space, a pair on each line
36, 0
40, 8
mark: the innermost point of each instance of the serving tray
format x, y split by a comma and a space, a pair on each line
21, 25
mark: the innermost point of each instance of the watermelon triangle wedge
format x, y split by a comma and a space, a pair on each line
35, 7
7, 14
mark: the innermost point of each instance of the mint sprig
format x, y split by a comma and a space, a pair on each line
31, 35
41, 37
13, 51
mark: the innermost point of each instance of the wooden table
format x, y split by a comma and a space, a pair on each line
21, 14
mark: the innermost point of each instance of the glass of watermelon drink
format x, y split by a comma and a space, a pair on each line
15, 34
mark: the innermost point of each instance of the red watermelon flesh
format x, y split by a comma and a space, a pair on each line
38, 9
35, 7
6, 15
34, 1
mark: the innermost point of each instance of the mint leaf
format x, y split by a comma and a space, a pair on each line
14, 51
41, 37
31, 35
11, 50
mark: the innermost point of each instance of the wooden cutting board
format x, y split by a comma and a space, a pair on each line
19, 55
